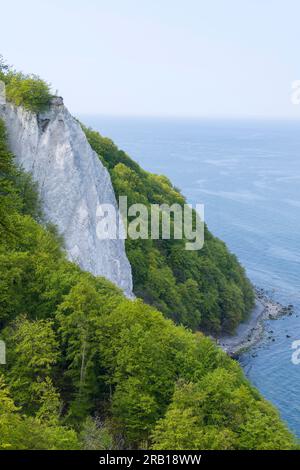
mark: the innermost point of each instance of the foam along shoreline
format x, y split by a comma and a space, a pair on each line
250, 332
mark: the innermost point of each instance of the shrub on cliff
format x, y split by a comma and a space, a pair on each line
29, 91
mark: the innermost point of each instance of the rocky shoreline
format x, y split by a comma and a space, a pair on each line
250, 332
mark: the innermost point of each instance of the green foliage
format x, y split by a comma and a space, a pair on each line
18, 194
138, 350
95, 435
27, 190
29, 91
19, 432
32, 351
204, 289
78, 317
220, 412
9, 201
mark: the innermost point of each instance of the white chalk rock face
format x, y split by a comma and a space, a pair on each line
73, 183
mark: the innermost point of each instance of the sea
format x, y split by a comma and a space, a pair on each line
247, 175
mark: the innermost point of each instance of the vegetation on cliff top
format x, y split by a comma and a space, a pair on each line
29, 91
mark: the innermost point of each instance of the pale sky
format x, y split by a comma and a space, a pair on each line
208, 58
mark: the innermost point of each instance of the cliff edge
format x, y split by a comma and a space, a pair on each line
72, 183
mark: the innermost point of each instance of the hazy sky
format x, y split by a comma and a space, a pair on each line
160, 57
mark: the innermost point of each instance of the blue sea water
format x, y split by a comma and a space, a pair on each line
247, 173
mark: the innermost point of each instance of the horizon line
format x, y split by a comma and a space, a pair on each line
191, 117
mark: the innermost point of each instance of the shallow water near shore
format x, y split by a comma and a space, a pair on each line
247, 173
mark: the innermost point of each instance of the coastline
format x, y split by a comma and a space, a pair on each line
250, 332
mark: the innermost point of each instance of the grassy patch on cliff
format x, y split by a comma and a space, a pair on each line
29, 91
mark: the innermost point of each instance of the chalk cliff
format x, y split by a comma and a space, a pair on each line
72, 183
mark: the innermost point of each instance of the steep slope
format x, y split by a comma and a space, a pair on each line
205, 289
72, 183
